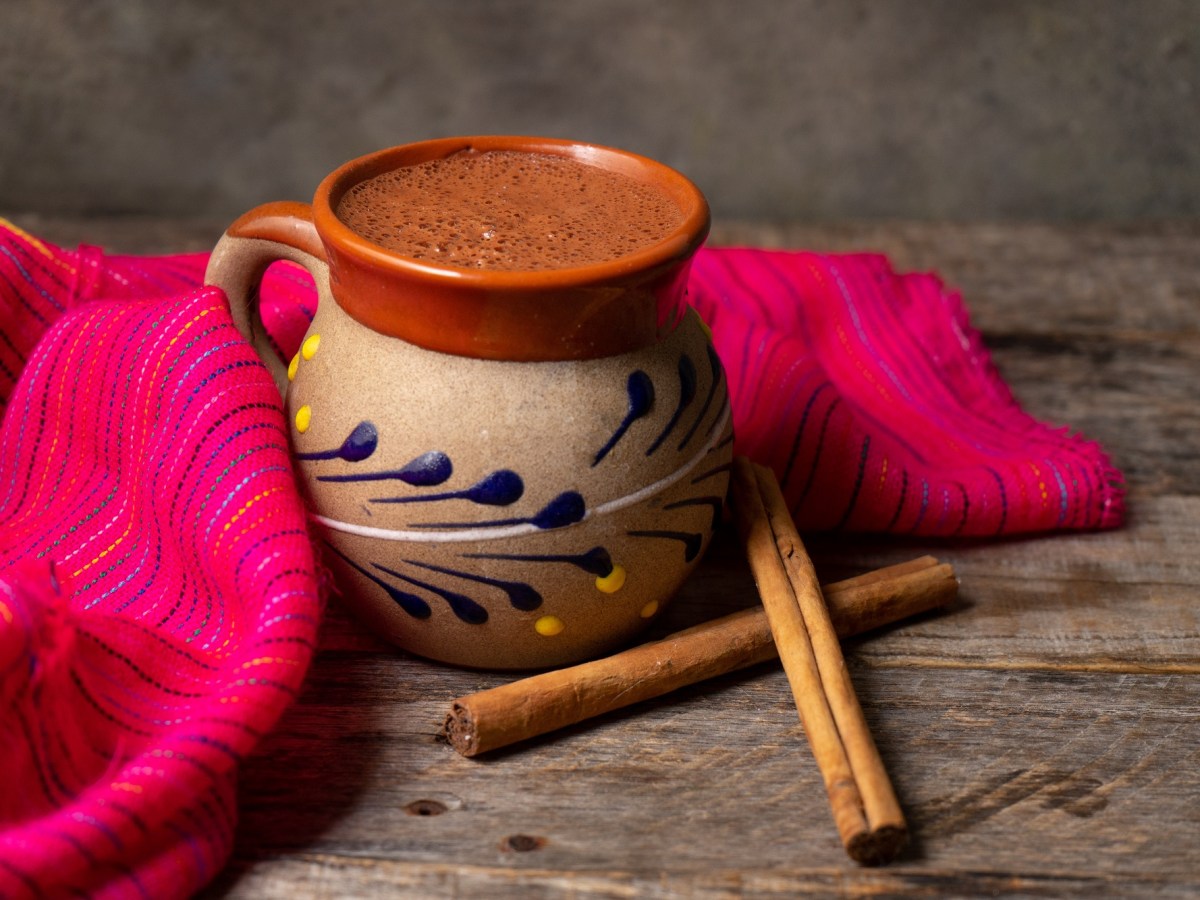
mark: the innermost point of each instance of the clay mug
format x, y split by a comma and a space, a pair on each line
507, 469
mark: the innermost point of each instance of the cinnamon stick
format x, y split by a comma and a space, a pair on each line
495, 718
864, 805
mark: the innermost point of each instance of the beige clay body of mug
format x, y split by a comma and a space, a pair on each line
505, 469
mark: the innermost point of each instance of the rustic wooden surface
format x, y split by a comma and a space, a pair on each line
1044, 736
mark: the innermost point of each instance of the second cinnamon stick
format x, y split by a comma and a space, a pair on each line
861, 796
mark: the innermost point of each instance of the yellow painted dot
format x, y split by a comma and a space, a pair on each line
293, 366
613, 581
649, 609
549, 626
303, 418
310, 345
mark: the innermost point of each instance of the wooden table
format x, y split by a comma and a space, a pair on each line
1043, 737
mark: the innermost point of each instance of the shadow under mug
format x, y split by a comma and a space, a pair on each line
506, 469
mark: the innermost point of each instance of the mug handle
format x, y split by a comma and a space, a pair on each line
273, 231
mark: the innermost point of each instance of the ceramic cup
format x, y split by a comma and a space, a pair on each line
506, 469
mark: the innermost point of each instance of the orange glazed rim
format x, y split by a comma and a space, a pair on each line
677, 246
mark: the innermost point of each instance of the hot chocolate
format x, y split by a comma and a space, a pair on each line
509, 210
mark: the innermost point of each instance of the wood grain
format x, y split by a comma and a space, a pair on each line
988, 765
1043, 737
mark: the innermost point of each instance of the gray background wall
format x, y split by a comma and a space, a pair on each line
814, 109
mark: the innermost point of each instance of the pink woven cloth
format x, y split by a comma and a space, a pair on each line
877, 405
158, 591
159, 596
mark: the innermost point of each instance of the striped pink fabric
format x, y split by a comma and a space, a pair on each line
158, 597
158, 593
878, 406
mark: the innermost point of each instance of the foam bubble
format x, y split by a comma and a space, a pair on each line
509, 210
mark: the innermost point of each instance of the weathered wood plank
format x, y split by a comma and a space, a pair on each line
1062, 783
1117, 601
323, 877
